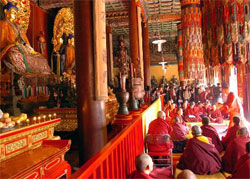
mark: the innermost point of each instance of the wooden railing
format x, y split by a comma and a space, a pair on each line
116, 158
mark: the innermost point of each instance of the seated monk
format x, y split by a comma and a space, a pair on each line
191, 114
185, 105
179, 113
15, 50
242, 166
203, 96
199, 108
210, 131
172, 111
186, 174
159, 126
179, 135
235, 149
168, 105
216, 115
207, 108
144, 168
200, 156
231, 133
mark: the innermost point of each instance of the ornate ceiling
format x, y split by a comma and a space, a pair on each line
163, 17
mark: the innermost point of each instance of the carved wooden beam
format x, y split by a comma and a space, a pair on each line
164, 17
114, 15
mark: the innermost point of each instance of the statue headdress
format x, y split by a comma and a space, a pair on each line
9, 5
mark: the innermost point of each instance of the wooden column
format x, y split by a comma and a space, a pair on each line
133, 33
110, 55
90, 112
146, 55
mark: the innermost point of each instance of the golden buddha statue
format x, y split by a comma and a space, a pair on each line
15, 49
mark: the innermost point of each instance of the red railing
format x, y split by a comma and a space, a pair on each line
116, 158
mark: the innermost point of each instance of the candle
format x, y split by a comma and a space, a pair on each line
39, 119
27, 122
54, 115
18, 123
50, 116
44, 117
34, 120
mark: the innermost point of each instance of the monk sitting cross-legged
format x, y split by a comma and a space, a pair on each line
242, 166
179, 135
192, 114
159, 126
200, 156
210, 131
231, 133
216, 115
179, 113
235, 149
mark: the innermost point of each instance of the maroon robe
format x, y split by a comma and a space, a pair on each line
139, 174
194, 112
181, 119
164, 172
242, 167
231, 134
210, 131
207, 111
159, 126
217, 116
235, 149
179, 132
200, 157
202, 97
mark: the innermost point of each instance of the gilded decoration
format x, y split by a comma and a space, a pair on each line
14, 146
23, 12
40, 136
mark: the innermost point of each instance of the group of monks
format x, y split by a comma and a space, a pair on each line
204, 153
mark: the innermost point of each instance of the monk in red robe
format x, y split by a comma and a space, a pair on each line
235, 149
172, 112
200, 156
179, 113
191, 114
144, 165
203, 96
231, 133
216, 115
179, 135
199, 108
159, 126
242, 166
207, 108
210, 131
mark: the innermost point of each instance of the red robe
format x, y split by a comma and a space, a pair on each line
217, 116
164, 172
139, 174
200, 157
242, 167
172, 113
181, 119
202, 97
235, 149
179, 132
207, 111
231, 134
210, 131
159, 126
194, 112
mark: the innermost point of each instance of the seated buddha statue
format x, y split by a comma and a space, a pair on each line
15, 49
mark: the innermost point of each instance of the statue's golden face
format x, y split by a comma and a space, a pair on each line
11, 14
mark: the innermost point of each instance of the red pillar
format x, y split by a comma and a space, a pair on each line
133, 33
90, 113
146, 55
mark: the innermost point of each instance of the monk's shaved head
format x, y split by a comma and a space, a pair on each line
205, 120
248, 146
196, 130
176, 120
242, 132
186, 174
236, 120
143, 162
161, 114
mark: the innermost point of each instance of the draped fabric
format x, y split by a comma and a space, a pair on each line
242, 167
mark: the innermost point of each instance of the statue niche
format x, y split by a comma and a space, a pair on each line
63, 55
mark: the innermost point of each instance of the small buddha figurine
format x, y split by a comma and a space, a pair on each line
15, 48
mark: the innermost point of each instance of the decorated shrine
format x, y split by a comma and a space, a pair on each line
81, 82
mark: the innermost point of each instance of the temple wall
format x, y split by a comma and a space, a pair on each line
158, 72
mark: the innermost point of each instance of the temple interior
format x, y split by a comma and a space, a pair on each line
124, 89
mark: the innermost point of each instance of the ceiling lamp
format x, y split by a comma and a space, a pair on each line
159, 42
